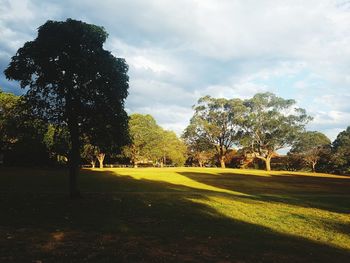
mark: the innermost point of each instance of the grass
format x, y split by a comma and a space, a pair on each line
174, 215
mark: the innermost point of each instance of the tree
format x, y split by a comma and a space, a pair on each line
151, 143
198, 148
57, 141
89, 153
144, 134
8, 110
271, 123
101, 157
73, 82
171, 149
21, 134
216, 121
341, 152
309, 146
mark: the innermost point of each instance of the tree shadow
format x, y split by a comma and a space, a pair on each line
331, 194
128, 220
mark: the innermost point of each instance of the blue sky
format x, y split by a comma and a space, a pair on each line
181, 50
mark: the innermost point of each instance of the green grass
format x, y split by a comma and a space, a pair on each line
174, 215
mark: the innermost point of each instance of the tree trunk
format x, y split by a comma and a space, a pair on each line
268, 163
222, 161
74, 158
200, 164
74, 154
100, 158
93, 163
313, 167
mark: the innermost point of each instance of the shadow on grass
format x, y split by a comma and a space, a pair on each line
331, 194
128, 220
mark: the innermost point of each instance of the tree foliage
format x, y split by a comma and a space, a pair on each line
73, 82
310, 146
271, 123
171, 149
8, 115
199, 149
215, 122
21, 134
149, 142
341, 152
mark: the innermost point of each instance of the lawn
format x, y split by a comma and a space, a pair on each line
174, 215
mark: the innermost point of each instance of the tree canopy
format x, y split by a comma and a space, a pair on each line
150, 142
216, 122
271, 123
73, 82
309, 146
341, 152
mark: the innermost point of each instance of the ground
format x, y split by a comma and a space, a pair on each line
174, 215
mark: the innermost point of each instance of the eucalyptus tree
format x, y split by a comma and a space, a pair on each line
271, 123
309, 146
198, 148
216, 121
73, 82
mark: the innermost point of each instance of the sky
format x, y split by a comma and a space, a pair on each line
179, 51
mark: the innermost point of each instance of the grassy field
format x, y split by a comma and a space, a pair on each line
174, 215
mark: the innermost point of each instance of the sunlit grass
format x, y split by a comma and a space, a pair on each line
295, 219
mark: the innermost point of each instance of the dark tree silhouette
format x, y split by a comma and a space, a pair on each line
73, 82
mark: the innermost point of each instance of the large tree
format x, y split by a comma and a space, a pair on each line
73, 82
341, 152
310, 146
271, 123
216, 122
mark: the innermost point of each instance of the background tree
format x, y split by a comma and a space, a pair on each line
89, 153
198, 149
216, 121
8, 112
341, 152
150, 142
144, 134
310, 146
100, 157
21, 134
271, 123
57, 141
73, 82
171, 149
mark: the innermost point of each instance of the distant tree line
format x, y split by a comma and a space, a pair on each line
222, 132
249, 133
28, 140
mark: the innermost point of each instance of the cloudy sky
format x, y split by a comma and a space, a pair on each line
181, 50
